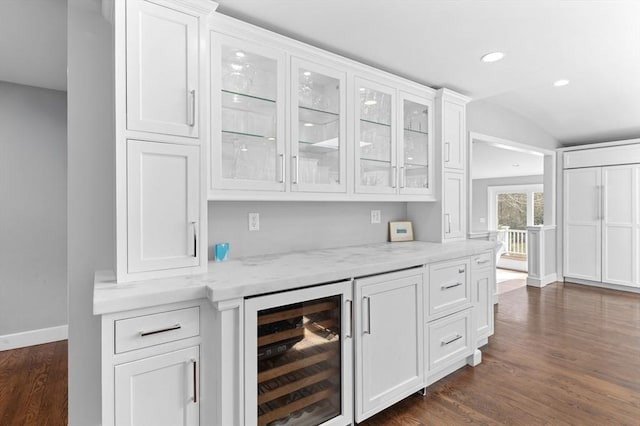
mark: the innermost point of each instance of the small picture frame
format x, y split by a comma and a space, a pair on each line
400, 231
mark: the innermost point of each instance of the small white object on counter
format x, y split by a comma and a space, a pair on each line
279, 272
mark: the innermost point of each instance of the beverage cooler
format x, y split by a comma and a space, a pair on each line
298, 357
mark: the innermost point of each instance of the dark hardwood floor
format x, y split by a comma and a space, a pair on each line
33, 385
562, 355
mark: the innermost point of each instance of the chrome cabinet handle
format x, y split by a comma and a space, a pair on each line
394, 177
461, 270
281, 168
195, 380
451, 340
349, 303
481, 262
295, 169
448, 216
448, 286
447, 150
368, 316
192, 112
403, 177
195, 238
160, 330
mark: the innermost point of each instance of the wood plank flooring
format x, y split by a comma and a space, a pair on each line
33, 385
562, 355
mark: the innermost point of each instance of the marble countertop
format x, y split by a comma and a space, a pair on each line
255, 275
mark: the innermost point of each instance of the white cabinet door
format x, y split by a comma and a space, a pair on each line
483, 283
318, 128
582, 223
415, 144
160, 390
163, 206
454, 205
248, 115
162, 70
453, 135
389, 340
376, 170
620, 224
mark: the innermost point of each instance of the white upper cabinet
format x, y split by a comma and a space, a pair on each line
162, 70
376, 169
453, 135
318, 128
415, 146
163, 197
248, 108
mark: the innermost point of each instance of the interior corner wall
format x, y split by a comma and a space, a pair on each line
33, 184
488, 119
91, 197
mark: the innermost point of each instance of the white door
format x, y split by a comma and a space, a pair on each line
159, 390
376, 170
619, 224
582, 223
389, 353
162, 70
163, 199
298, 357
454, 205
248, 115
415, 144
453, 135
318, 128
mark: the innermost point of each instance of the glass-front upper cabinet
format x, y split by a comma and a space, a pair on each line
414, 144
318, 128
247, 97
375, 138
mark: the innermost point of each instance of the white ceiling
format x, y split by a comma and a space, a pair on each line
33, 43
491, 161
595, 44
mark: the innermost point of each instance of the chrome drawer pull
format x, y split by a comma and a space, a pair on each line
461, 270
451, 340
162, 330
447, 287
195, 380
480, 262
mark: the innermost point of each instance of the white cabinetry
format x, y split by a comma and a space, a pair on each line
163, 191
159, 390
601, 224
483, 289
151, 370
453, 134
389, 340
453, 199
162, 69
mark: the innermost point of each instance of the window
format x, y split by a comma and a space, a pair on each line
515, 206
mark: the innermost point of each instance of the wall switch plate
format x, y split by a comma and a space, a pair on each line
254, 221
375, 216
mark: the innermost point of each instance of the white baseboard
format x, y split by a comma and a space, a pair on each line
33, 337
602, 285
541, 282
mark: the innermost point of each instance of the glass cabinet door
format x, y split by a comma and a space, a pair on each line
318, 128
247, 115
414, 146
375, 159
298, 359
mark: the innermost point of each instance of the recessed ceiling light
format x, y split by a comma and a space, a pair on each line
362, 89
516, 165
240, 54
271, 138
308, 124
561, 83
370, 102
492, 57
307, 73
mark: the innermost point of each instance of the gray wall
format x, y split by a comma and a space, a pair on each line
292, 226
492, 120
479, 206
91, 197
33, 212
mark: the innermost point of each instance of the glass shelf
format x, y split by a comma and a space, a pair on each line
376, 161
375, 122
407, 164
321, 147
251, 135
419, 132
244, 95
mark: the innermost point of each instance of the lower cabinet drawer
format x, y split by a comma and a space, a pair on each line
155, 329
482, 261
449, 339
449, 288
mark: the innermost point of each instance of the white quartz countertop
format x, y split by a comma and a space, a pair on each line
256, 275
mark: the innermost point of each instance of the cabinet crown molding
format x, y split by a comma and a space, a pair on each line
453, 96
201, 7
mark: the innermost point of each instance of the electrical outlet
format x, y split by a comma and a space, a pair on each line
483, 220
254, 221
375, 216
